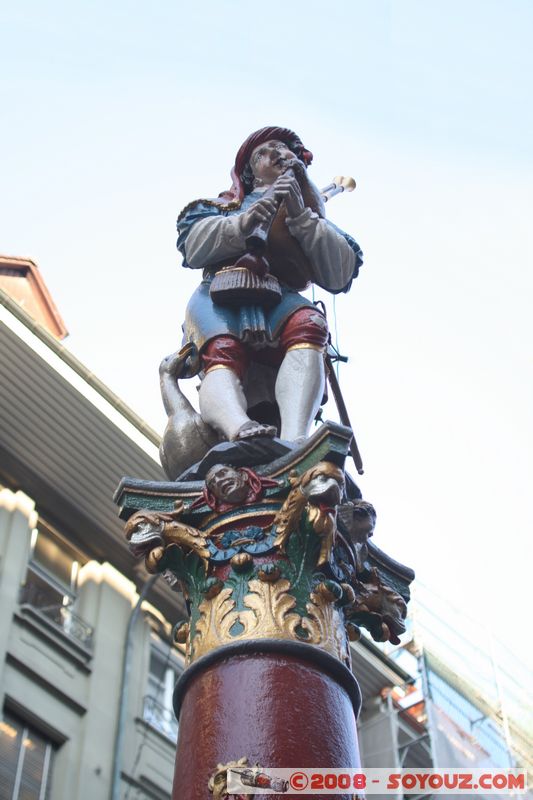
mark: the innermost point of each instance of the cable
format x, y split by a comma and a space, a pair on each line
336, 332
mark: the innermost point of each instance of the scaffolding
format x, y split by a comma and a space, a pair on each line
462, 673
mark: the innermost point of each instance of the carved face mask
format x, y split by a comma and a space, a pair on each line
227, 484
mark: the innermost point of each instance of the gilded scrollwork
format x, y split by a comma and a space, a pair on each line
316, 493
288, 517
268, 611
326, 624
151, 533
217, 616
269, 614
298, 577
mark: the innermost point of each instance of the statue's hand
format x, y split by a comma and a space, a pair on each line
299, 170
260, 211
287, 188
311, 195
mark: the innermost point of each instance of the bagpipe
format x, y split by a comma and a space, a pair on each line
273, 255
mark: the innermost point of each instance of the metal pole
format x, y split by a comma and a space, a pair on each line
124, 686
426, 691
343, 414
499, 696
423, 671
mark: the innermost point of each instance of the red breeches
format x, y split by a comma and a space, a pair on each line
307, 327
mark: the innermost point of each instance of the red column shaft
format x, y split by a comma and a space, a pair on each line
278, 710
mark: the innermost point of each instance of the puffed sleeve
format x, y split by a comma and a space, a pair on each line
206, 235
334, 255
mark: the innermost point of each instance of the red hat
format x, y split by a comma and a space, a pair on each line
288, 137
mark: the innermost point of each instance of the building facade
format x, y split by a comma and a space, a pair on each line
68, 584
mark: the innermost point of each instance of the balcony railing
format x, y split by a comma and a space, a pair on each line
160, 718
49, 604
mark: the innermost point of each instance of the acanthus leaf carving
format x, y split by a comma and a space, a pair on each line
325, 626
216, 618
269, 610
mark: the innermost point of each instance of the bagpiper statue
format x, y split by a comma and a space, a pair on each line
260, 525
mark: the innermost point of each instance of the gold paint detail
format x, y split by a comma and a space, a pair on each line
151, 533
241, 561
215, 588
353, 631
269, 575
232, 269
348, 594
217, 616
181, 634
288, 517
218, 782
232, 205
381, 601
306, 346
218, 366
215, 521
268, 614
323, 520
324, 591
326, 626
324, 525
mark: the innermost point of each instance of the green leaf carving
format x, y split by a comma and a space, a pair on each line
303, 549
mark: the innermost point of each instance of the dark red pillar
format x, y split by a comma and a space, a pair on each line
280, 704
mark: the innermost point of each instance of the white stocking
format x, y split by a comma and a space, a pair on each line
222, 402
299, 389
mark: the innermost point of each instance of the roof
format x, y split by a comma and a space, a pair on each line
66, 440
21, 279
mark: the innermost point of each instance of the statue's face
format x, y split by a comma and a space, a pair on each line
227, 484
268, 160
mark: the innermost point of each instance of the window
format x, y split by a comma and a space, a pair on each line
25, 761
54, 566
51, 583
166, 665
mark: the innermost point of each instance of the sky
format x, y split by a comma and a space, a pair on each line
115, 115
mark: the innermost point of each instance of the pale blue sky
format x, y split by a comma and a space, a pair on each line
117, 114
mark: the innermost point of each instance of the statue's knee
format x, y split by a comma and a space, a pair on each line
307, 326
225, 351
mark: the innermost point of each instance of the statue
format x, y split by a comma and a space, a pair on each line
260, 527
252, 337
